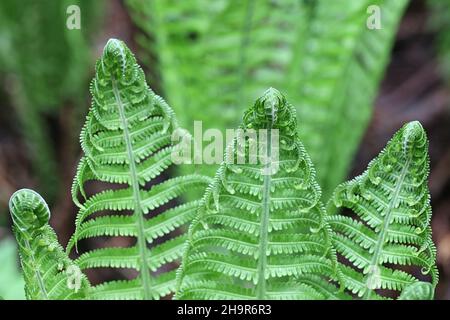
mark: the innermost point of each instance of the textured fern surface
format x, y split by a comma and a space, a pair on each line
440, 23
217, 56
127, 145
391, 232
46, 268
261, 235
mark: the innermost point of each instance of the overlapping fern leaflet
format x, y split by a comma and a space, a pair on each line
127, 141
47, 270
340, 71
392, 225
260, 231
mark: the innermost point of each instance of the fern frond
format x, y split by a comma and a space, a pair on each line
127, 141
48, 271
391, 229
251, 240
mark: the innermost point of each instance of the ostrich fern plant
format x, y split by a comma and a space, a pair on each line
260, 230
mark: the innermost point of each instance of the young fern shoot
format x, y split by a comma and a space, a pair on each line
48, 272
127, 142
392, 229
261, 235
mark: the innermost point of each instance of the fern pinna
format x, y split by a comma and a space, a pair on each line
260, 235
127, 142
391, 228
48, 272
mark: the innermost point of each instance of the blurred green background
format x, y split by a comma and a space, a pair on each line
353, 87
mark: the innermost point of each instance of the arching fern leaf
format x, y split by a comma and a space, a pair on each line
391, 229
127, 141
48, 272
260, 231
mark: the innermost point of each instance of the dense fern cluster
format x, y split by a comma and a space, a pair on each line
260, 231
127, 142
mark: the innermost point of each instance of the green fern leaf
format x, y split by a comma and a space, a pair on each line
391, 229
48, 271
127, 141
260, 235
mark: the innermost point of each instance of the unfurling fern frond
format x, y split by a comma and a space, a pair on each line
392, 225
47, 270
260, 231
127, 142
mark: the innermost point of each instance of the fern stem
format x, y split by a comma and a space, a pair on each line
138, 213
263, 233
386, 222
40, 281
